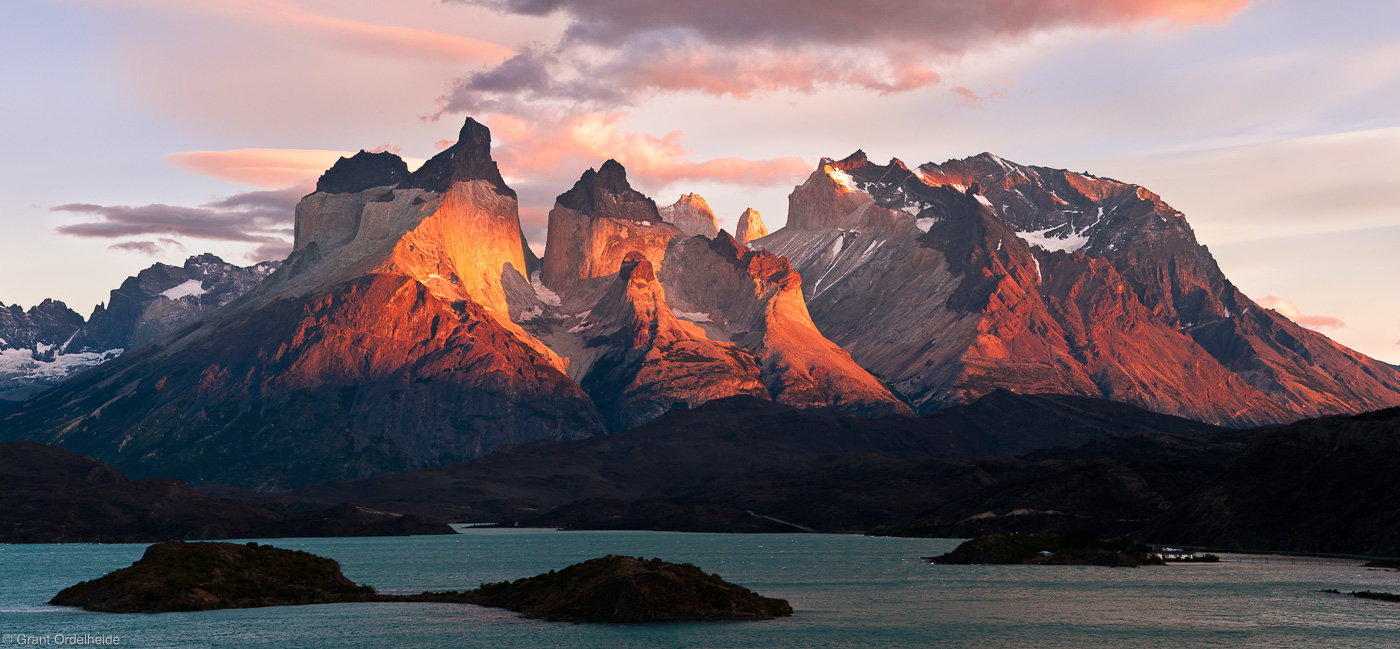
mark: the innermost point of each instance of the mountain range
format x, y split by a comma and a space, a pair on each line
412, 327
41, 347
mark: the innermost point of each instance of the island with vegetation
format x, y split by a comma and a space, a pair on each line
1051, 549
179, 576
625, 589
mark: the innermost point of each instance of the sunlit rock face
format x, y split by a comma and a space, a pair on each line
594, 225
749, 304
382, 344
950, 281
756, 298
651, 360
750, 227
692, 216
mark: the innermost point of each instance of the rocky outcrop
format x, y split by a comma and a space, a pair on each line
387, 351
692, 216
51, 343
649, 361
594, 225
362, 171
758, 299
750, 227
33, 345
50, 323
953, 280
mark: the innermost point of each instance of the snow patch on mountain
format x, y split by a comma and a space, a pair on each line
542, 292
190, 288
1042, 239
842, 178
693, 316
21, 364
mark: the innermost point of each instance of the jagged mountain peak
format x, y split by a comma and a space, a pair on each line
692, 215
467, 160
751, 226
855, 160
599, 221
362, 171
605, 192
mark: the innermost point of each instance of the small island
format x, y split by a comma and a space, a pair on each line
1051, 550
1365, 594
624, 589
178, 576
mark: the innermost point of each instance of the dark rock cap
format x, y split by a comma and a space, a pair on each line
857, 159
608, 187
467, 160
362, 171
636, 266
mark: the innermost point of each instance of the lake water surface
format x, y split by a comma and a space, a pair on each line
848, 591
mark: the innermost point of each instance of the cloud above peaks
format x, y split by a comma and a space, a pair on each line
615, 52
1290, 310
262, 218
268, 168
559, 149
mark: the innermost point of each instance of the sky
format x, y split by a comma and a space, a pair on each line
151, 130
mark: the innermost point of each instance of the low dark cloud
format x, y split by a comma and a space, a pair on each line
157, 248
946, 24
148, 248
617, 52
263, 218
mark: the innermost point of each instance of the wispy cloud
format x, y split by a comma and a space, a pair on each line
1290, 310
562, 148
346, 32
267, 168
263, 218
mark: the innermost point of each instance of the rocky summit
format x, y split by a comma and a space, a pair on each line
412, 327
950, 281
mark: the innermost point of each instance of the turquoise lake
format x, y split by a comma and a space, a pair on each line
848, 591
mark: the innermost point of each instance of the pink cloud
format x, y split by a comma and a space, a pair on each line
618, 52
559, 149
349, 33
947, 24
266, 168
1290, 310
